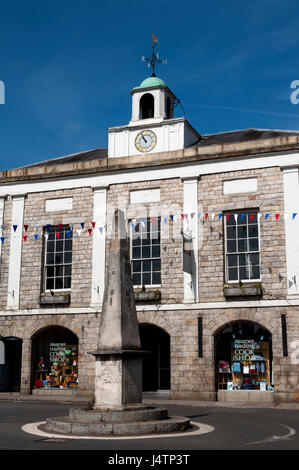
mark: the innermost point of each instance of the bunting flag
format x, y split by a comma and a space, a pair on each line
220, 216
154, 221
199, 214
82, 225
69, 233
79, 231
285, 216
25, 238
71, 227
14, 228
57, 235
2, 239
46, 235
48, 227
259, 216
36, 236
171, 218
26, 227
206, 215
90, 231
60, 226
236, 217
165, 220
101, 229
294, 215
242, 217
192, 215
93, 224
212, 216
276, 216
36, 227
251, 217
227, 217
266, 216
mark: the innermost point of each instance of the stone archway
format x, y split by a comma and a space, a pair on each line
155, 365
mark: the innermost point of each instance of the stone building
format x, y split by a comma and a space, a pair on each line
215, 258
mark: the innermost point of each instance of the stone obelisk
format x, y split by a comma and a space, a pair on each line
118, 366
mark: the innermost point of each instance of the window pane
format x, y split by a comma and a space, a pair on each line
146, 266
232, 274
232, 260
254, 259
136, 241
67, 282
68, 270
156, 251
59, 246
231, 232
50, 247
136, 266
146, 279
59, 271
231, 246
50, 284
68, 257
136, 252
51, 236
137, 279
59, 283
156, 278
242, 245
68, 245
146, 240
50, 258
244, 274
253, 244
50, 271
146, 252
255, 272
242, 231
253, 230
156, 265
242, 260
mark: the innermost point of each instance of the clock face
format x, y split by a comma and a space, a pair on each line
145, 141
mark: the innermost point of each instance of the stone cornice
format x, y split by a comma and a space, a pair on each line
178, 157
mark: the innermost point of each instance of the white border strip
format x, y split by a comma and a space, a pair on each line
33, 428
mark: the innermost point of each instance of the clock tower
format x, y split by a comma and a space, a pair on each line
153, 127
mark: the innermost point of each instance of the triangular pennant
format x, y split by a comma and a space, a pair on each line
57, 235
154, 221
79, 231
69, 233
192, 214
101, 229
36, 227
294, 215
25, 238
276, 216
82, 225
14, 228
46, 235
26, 227
242, 216
220, 216
171, 218
36, 236
266, 216
199, 214
182, 215
251, 217
71, 226
48, 227
236, 217
93, 224
259, 216
90, 231
212, 216
2, 239
165, 220
286, 216
60, 226
206, 215
227, 217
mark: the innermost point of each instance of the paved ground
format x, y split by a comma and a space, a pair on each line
235, 428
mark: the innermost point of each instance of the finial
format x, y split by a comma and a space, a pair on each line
154, 59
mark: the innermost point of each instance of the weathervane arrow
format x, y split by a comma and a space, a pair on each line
154, 59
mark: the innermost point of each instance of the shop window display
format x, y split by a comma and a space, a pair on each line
56, 359
244, 358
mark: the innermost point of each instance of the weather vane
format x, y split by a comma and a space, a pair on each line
154, 59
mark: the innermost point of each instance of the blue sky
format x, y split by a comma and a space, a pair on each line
68, 67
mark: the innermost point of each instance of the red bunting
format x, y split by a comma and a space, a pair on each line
154, 220
227, 216
276, 216
25, 237
93, 224
90, 231
57, 234
251, 217
206, 215
60, 226
26, 227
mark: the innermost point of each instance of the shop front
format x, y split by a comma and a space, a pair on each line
243, 353
55, 359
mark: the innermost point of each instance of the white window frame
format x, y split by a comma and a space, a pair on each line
67, 289
138, 220
232, 214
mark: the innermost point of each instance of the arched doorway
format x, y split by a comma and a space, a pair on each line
54, 359
10, 364
156, 364
243, 357
147, 106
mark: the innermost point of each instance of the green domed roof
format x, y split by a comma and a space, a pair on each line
150, 82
